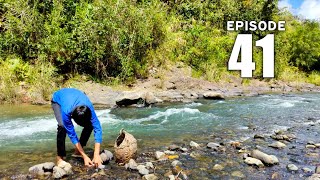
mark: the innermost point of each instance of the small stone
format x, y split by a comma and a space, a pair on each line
58, 172
317, 145
258, 136
160, 155
265, 158
245, 155
195, 154
149, 165
142, 170
173, 147
317, 171
48, 166
216, 147
311, 143
236, 144
238, 174
37, 170
176, 163
132, 165
253, 161
277, 145
292, 167
275, 176
194, 144
150, 177
308, 146
307, 170
172, 177
184, 149
314, 177
106, 156
169, 152
218, 167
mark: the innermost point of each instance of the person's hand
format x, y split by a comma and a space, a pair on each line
87, 161
97, 160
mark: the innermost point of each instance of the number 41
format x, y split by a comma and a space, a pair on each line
246, 66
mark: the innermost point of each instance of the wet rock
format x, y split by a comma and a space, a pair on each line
238, 174
259, 136
132, 165
37, 170
106, 156
194, 144
309, 146
176, 163
212, 95
317, 171
253, 161
174, 147
265, 158
58, 172
277, 145
48, 166
149, 165
160, 155
292, 167
314, 177
142, 170
150, 177
307, 170
218, 167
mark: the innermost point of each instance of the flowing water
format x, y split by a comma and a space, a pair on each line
27, 133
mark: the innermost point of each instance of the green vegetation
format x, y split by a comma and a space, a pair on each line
45, 43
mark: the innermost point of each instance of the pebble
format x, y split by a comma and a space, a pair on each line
311, 143
172, 177
142, 170
317, 145
149, 165
238, 174
278, 145
317, 171
218, 167
195, 154
314, 177
132, 165
150, 177
106, 156
253, 161
216, 147
258, 136
184, 149
309, 146
194, 144
292, 167
174, 147
265, 158
307, 170
169, 152
160, 155
176, 163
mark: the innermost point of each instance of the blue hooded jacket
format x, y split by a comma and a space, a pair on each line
69, 99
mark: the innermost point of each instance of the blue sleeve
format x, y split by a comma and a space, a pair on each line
69, 128
96, 127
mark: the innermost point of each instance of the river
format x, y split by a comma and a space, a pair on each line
27, 132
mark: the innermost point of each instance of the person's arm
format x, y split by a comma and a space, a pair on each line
74, 139
97, 137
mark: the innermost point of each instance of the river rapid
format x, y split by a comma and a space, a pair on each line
28, 133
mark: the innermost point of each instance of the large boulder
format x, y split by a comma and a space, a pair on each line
130, 98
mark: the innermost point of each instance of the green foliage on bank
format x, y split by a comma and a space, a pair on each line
47, 42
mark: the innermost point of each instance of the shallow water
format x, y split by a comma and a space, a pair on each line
27, 133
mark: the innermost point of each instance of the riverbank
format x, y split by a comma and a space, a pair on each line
174, 85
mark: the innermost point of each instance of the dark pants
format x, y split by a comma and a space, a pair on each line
61, 133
